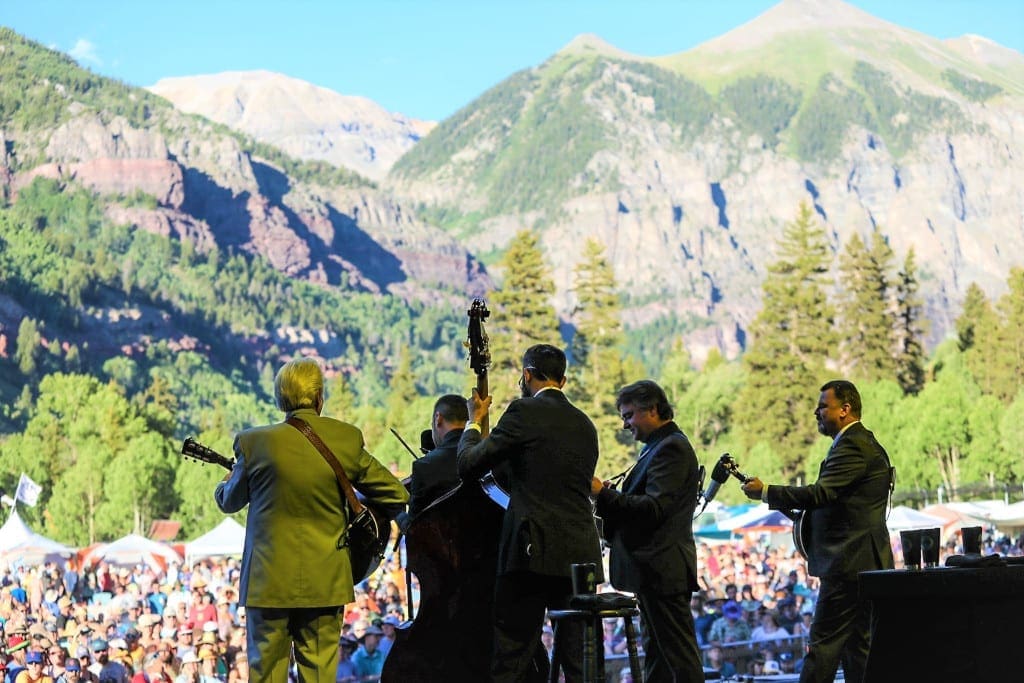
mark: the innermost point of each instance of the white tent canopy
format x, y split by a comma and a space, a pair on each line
18, 543
227, 538
902, 517
1008, 516
131, 550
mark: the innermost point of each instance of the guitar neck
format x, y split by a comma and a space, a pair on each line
197, 451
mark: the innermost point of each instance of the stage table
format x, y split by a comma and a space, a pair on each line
945, 624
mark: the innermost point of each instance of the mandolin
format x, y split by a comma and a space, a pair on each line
801, 526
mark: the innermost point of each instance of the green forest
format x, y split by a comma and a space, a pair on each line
101, 429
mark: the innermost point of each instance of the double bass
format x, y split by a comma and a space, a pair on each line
452, 549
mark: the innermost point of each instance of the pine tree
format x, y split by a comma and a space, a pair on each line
977, 331
521, 313
792, 337
974, 310
597, 370
26, 349
340, 402
402, 387
866, 328
597, 344
1007, 360
910, 328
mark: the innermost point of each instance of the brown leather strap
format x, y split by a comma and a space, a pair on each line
346, 485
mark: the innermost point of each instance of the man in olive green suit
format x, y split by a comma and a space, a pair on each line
294, 579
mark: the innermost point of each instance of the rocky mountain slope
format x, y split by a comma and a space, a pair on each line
306, 121
160, 170
686, 167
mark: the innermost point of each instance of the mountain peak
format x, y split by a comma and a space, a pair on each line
590, 43
791, 16
305, 120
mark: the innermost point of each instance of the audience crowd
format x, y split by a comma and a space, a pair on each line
149, 624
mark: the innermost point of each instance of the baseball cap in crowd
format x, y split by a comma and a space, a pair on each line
98, 645
119, 644
72, 665
189, 658
149, 620
772, 667
372, 630
33, 657
82, 652
732, 610
348, 640
15, 643
391, 620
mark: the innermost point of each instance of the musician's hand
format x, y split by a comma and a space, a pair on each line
753, 488
477, 406
596, 485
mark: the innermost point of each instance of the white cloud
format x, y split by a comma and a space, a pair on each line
85, 51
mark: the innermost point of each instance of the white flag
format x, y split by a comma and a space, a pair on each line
28, 490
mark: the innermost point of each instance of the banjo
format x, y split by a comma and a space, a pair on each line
801, 523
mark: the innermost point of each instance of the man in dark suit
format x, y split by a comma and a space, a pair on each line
436, 473
547, 450
845, 509
452, 538
650, 528
295, 577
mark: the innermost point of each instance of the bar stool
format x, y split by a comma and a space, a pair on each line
591, 610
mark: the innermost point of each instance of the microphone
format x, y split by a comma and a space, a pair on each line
719, 475
426, 441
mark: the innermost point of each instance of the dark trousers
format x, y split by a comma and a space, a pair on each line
273, 631
669, 638
840, 632
520, 599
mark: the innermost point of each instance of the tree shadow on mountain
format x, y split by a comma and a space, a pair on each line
223, 211
359, 248
274, 185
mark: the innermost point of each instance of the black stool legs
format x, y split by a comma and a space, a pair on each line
593, 641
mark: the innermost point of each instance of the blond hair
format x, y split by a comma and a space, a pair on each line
299, 384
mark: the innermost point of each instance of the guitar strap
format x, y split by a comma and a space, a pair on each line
321, 447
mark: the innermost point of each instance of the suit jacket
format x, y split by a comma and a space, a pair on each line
650, 523
433, 475
845, 507
548, 450
297, 511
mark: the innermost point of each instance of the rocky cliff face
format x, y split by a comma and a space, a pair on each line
212, 193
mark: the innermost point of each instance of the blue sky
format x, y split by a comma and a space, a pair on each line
423, 58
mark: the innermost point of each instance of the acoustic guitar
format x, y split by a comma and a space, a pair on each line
366, 535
